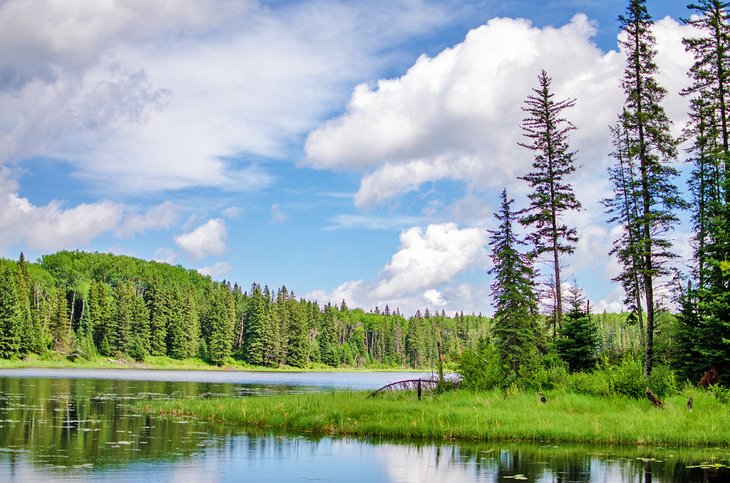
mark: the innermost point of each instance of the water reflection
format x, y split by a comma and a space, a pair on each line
88, 430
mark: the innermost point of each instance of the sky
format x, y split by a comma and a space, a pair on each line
348, 150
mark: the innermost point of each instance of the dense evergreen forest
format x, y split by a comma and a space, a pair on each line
82, 304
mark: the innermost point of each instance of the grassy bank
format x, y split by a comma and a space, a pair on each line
162, 362
466, 416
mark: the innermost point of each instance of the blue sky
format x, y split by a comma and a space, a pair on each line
345, 149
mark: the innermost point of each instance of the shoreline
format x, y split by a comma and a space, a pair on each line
165, 363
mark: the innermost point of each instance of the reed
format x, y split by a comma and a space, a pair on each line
470, 416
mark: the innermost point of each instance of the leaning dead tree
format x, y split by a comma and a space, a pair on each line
418, 385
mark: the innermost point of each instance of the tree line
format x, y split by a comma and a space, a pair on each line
83, 304
645, 203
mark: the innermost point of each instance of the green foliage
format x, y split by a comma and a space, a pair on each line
625, 379
480, 368
551, 196
10, 312
515, 329
578, 341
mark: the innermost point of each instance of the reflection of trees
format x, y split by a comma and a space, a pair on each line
66, 422
495, 461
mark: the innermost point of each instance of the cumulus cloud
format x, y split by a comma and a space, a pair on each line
423, 273
51, 226
457, 115
207, 239
426, 259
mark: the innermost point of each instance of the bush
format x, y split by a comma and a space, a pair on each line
594, 384
479, 368
663, 381
627, 378
551, 374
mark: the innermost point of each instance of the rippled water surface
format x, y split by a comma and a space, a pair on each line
82, 425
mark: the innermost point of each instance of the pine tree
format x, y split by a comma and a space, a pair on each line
552, 195
253, 347
710, 72
516, 332
10, 312
160, 307
29, 337
328, 348
578, 341
297, 332
219, 320
61, 323
653, 146
623, 209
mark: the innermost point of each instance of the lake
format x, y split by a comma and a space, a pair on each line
82, 425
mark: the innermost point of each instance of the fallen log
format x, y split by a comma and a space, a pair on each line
654, 400
408, 384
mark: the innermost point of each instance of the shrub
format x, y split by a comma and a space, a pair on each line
479, 368
628, 378
594, 384
663, 381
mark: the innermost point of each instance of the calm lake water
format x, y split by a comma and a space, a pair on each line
81, 425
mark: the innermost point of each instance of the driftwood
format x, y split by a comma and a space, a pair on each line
418, 385
654, 400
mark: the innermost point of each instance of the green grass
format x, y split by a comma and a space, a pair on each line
467, 416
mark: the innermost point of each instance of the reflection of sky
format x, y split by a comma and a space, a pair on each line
291, 458
344, 380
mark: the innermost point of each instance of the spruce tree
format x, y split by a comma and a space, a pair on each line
10, 312
551, 196
29, 336
578, 341
623, 209
253, 346
219, 318
654, 148
516, 331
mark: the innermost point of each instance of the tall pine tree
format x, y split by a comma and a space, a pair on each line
654, 148
551, 194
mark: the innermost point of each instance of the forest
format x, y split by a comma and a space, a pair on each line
84, 304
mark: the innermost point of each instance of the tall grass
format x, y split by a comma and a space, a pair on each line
471, 416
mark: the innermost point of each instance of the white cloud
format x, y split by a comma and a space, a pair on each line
159, 217
434, 297
218, 269
457, 115
51, 226
207, 239
142, 98
426, 259
423, 273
